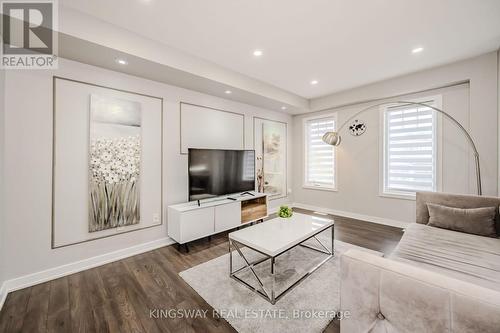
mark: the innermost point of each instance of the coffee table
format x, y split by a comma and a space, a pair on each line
272, 238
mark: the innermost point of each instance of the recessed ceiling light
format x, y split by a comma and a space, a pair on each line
283, 107
417, 50
314, 82
258, 53
121, 61
228, 92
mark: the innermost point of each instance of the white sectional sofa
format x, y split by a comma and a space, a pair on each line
436, 280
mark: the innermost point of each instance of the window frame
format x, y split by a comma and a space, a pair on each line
305, 183
437, 153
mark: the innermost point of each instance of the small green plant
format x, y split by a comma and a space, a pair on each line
285, 212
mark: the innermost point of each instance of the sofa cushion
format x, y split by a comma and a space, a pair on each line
467, 257
478, 221
453, 200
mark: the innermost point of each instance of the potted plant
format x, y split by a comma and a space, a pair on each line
285, 212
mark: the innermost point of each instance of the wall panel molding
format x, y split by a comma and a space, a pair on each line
213, 128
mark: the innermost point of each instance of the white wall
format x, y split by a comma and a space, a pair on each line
28, 162
474, 106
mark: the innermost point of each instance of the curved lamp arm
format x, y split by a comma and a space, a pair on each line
334, 138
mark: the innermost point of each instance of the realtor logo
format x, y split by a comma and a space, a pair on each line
29, 39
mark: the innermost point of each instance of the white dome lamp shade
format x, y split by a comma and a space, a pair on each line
332, 138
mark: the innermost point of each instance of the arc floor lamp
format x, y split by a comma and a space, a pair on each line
334, 138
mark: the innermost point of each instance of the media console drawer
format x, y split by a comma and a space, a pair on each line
197, 223
227, 216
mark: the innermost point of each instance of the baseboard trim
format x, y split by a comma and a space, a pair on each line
78, 266
368, 218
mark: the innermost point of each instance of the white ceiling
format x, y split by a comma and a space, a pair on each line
340, 43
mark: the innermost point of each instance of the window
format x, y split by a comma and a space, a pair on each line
319, 157
409, 149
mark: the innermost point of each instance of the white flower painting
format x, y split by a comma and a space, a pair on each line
115, 163
274, 158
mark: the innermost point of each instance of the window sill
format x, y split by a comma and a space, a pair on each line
395, 195
320, 188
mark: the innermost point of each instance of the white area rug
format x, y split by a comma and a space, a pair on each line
309, 307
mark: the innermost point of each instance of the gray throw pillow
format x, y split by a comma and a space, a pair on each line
477, 221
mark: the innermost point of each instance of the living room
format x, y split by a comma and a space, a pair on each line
231, 166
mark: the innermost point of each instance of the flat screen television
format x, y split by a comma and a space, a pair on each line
215, 172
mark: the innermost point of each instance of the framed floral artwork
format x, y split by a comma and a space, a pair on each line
114, 163
271, 150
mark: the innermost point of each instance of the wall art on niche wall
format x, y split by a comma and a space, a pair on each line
273, 157
107, 162
271, 146
114, 163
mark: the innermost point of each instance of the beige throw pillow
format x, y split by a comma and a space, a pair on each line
478, 221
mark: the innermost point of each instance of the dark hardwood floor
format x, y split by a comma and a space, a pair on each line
117, 297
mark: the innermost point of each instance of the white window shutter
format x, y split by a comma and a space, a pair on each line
410, 149
320, 157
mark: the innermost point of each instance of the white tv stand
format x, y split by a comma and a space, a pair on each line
192, 220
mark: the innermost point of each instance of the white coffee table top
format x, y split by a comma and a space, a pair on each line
280, 234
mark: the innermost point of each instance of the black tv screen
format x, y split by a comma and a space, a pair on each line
214, 172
